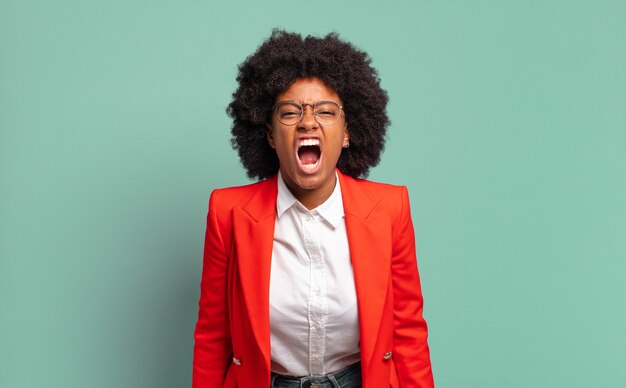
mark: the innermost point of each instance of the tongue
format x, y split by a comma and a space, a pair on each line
308, 155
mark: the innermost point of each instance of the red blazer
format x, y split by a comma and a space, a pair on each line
232, 336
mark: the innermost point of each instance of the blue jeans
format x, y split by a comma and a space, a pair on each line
349, 377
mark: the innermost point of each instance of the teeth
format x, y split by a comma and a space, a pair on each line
309, 142
310, 166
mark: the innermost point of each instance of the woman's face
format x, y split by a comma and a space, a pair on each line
308, 151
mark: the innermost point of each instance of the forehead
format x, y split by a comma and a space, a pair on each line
308, 90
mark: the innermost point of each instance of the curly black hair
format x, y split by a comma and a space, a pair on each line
286, 57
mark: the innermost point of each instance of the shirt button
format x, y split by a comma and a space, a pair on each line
236, 361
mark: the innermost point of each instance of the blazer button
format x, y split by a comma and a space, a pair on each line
387, 356
236, 361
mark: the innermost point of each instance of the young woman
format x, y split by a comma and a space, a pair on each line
310, 276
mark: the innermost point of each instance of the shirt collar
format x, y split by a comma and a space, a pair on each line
285, 199
331, 210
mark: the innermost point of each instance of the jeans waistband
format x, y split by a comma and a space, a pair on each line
317, 381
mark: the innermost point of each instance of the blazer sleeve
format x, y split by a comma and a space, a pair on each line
410, 347
212, 347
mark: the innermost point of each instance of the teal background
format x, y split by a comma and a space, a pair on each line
508, 128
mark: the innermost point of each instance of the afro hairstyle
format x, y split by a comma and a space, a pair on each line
286, 57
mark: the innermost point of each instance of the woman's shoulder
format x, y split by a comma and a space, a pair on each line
240, 195
394, 197
374, 188
247, 188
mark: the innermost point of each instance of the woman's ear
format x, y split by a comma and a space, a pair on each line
270, 136
346, 137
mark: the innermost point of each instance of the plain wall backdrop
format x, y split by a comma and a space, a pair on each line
508, 127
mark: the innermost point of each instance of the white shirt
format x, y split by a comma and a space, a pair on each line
314, 323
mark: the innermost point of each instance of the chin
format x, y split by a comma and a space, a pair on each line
309, 182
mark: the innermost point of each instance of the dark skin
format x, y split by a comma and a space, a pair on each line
310, 182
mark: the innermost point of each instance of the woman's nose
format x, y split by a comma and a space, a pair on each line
308, 121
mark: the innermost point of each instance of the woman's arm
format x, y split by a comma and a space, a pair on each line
410, 353
212, 347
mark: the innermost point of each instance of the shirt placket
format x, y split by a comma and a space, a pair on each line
317, 304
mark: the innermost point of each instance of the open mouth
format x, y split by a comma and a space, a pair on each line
309, 153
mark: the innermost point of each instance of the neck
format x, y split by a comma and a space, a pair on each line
311, 198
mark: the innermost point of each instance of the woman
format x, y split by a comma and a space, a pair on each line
310, 275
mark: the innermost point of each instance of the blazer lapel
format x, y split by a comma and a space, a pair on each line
369, 239
254, 236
